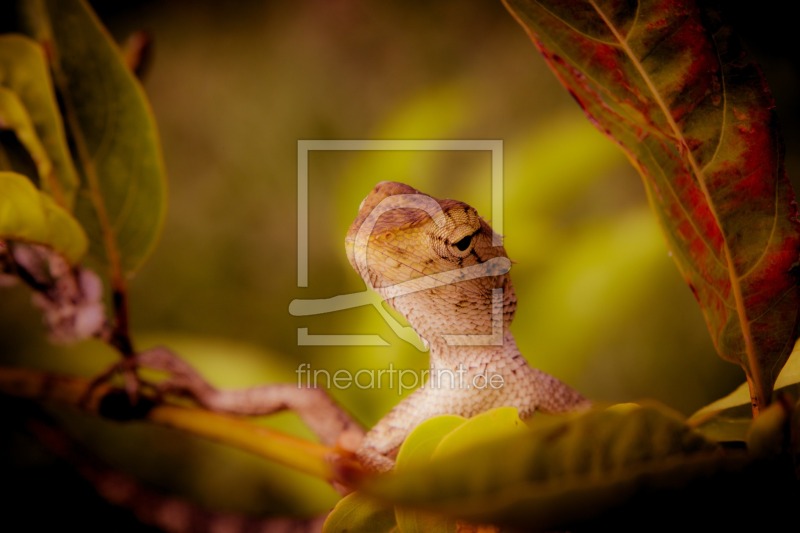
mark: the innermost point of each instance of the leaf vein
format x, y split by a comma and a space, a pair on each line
755, 376
576, 30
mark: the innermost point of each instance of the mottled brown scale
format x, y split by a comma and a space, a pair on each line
415, 240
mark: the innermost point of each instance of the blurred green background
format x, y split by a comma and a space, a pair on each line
233, 89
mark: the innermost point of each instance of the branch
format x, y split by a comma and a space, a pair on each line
317, 409
330, 463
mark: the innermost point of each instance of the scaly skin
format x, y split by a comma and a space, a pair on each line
442, 267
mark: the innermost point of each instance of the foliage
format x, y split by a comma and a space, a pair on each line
491, 469
673, 88
82, 178
121, 199
30, 215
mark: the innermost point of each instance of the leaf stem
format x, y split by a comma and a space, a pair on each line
120, 336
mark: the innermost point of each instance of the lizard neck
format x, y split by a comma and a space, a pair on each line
446, 356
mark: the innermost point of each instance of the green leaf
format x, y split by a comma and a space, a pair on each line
727, 419
27, 214
441, 437
789, 376
438, 436
724, 419
417, 450
728, 426
484, 427
790, 373
123, 193
356, 512
671, 86
421, 443
14, 117
567, 470
28, 106
739, 397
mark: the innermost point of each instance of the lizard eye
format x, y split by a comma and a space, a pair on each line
464, 243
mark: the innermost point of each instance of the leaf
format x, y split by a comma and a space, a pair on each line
738, 397
28, 106
421, 443
731, 427
443, 436
417, 449
29, 215
484, 427
789, 376
438, 436
790, 373
724, 419
356, 512
568, 470
122, 197
671, 86
14, 117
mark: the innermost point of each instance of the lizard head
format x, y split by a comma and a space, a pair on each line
435, 261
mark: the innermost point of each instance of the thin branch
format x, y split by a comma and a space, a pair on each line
317, 409
326, 462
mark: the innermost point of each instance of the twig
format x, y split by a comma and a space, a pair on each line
322, 415
333, 464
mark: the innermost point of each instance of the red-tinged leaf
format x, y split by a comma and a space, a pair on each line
669, 83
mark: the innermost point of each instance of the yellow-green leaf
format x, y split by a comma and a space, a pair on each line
569, 469
27, 214
740, 396
357, 513
417, 449
481, 428
123, 193
421, 443
14, 117
726, 419
28, 106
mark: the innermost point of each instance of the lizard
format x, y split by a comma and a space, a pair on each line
442, 267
